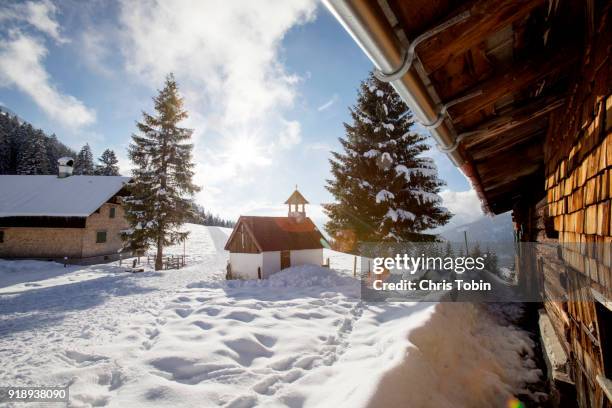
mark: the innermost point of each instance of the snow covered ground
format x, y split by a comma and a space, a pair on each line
187, 338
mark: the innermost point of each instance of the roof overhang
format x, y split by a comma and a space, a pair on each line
483, 76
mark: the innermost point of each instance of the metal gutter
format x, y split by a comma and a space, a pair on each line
370, 29
365, 21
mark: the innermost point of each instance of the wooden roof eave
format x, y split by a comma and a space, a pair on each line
236, 228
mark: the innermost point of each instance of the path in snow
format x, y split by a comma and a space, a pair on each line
302, 338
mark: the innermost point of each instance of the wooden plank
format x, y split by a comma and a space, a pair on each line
515, 118
509, 81
486, 18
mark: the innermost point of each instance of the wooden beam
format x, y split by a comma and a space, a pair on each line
534, 130
513, 119
511, 80
486, 18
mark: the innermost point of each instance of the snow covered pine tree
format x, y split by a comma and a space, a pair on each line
162, 188
33, 159
385, 189
84, 165
108, 164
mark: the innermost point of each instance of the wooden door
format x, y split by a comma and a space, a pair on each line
285, 259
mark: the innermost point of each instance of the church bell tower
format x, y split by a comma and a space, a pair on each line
295, 201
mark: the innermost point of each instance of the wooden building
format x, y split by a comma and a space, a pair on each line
517, 93
262, 246
73, 218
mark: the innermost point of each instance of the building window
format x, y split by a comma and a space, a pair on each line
1, 237
111, 213
100, 237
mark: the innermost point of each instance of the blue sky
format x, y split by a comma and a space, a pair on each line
267, 84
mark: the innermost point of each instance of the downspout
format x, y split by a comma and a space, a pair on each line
366, 23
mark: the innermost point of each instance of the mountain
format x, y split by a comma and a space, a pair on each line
485, 229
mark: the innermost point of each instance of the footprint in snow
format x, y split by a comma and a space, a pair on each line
183, 312
79, 359
246, 401
203, 325
242, 316
211, 311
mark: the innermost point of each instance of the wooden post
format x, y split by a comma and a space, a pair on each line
355, 267
467, 251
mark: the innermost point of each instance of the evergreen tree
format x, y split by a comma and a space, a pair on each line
16, 136
109, 164
33, 158
491, 261
385, 190
162, 188
5, 152
83, 164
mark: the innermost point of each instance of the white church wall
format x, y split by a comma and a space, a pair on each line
244, 266
307, 257
271, 263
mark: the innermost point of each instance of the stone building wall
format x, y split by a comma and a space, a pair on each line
101, 221
49, 243
74, 243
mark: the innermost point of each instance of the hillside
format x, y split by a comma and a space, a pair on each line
18, 136
485, 229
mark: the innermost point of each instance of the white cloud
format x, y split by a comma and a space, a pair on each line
226, 56
39, 14
292, 134
328, 104
21, 66
94, 50
465, 206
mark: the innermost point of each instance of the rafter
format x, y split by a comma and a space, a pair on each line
486, 18
520, 116
510, 81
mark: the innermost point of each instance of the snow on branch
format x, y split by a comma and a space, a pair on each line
384, 195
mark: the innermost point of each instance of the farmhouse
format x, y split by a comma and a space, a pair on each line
65, 216
262, 246
518, 94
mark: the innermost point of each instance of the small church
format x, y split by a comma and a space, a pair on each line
261, 246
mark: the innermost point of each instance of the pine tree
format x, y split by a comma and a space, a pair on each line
5, 152
109, 164
33, 159
162, 188
385, 190
83, 165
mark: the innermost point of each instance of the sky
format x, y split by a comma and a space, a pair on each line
267, 85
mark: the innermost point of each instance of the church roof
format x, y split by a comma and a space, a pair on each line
281, 233
296, 198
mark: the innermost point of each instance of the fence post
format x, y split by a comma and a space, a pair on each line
355, 267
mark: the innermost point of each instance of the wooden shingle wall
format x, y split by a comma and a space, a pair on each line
578, 157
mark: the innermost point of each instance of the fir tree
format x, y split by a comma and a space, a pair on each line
108, 164
83, 164
33, 159
385, 190
16, 136
162, 188
5, 152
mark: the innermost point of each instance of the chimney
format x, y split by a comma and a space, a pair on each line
65, 167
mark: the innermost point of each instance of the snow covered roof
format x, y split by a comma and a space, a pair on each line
281, 233
51, 196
